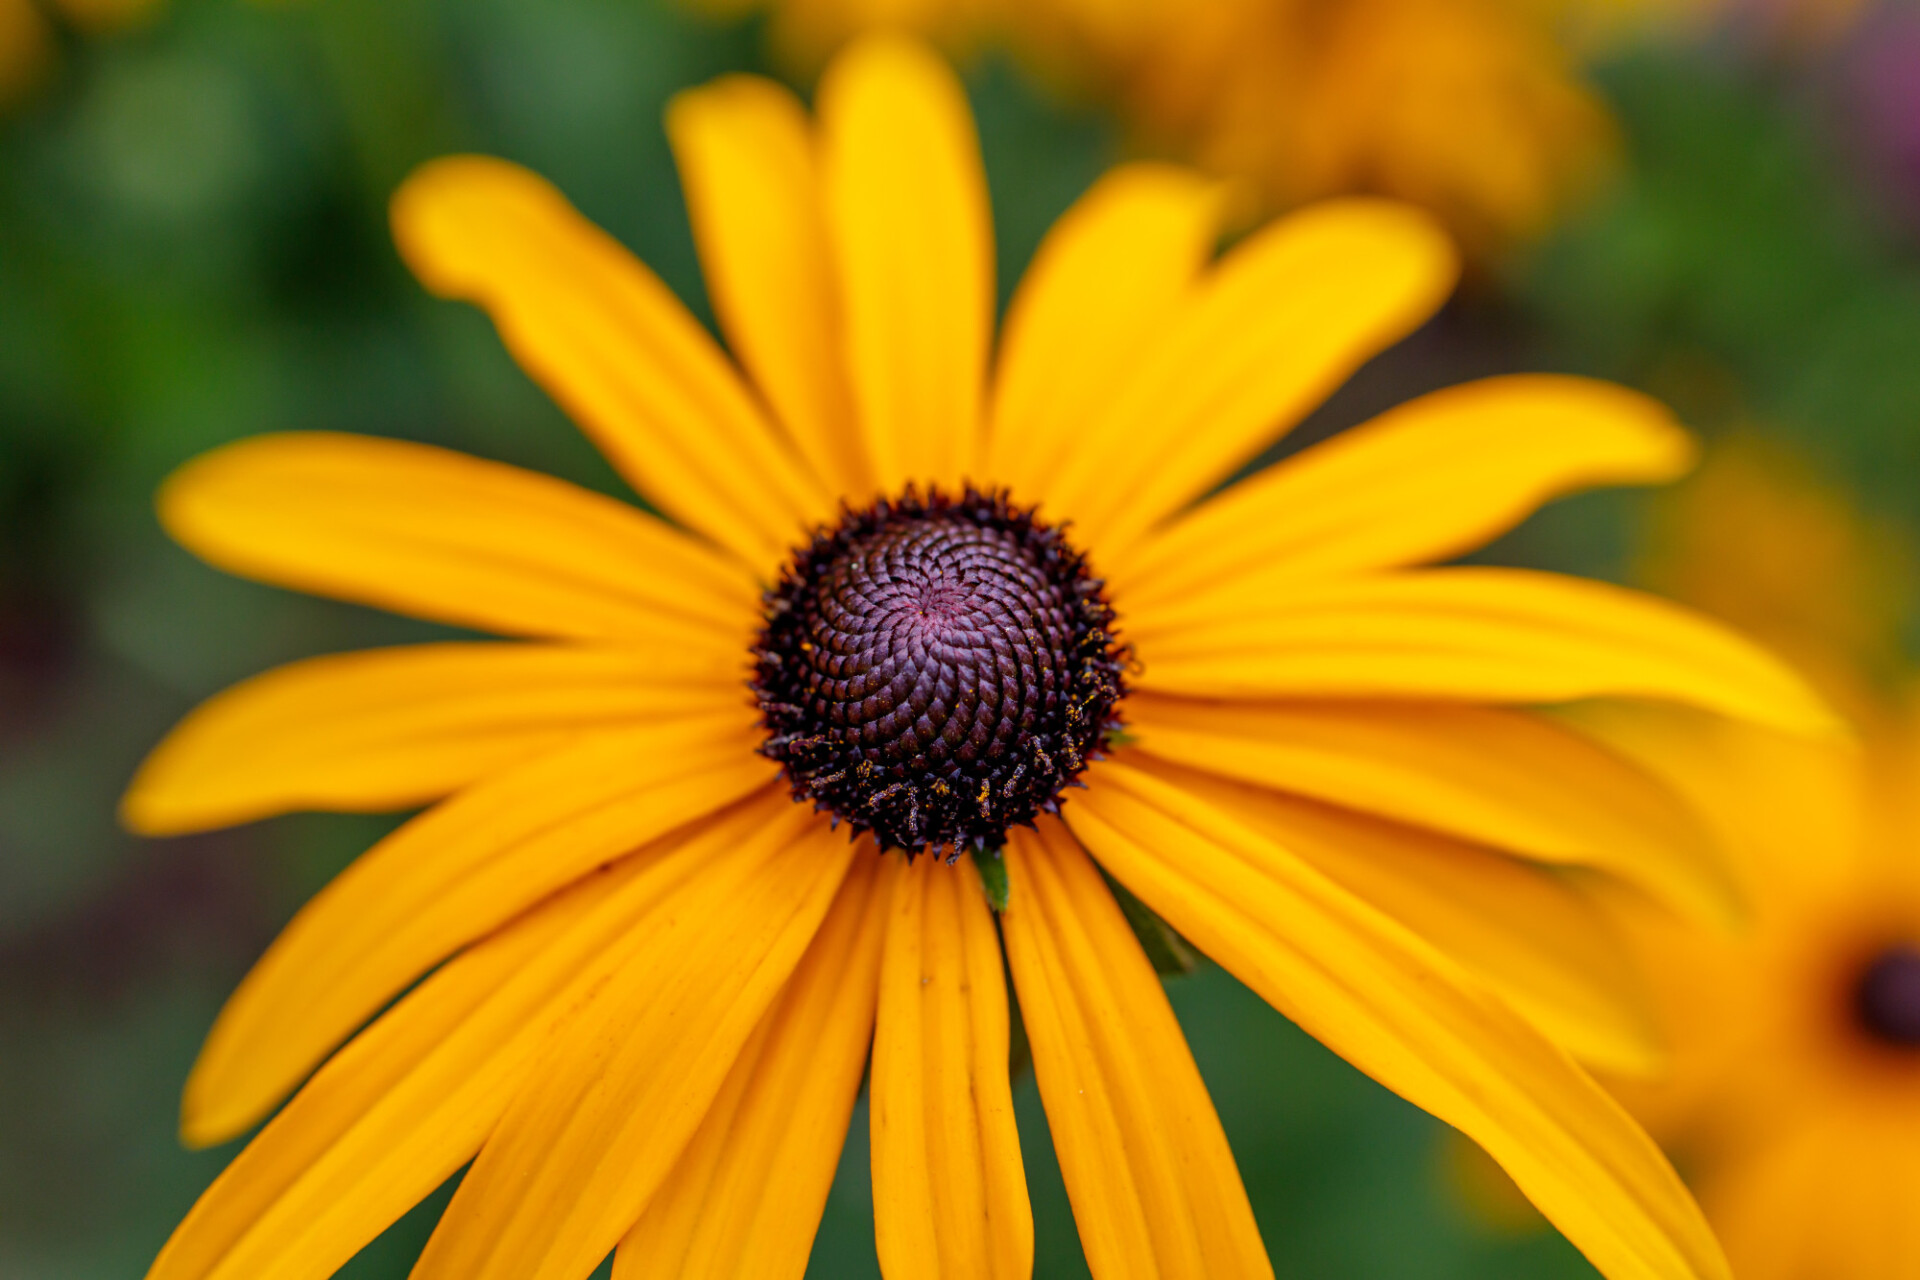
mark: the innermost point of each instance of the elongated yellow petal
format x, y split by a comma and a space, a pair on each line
616, 1097
745, 1199
1101, 286
1435, 477
906, 203
1154, 1187
444, 536
410, 1100
1284, 319
1528, 933
1471, 635
613, 346
395, 728
1503, 778
746, 156
1402, 1012
949, 1188
447, 878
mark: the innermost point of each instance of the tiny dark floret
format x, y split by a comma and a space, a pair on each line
1886, 999
937, 669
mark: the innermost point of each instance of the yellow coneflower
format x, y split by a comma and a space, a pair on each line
891, 599
1795, 1090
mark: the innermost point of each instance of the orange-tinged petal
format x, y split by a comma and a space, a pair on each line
446, 878
1283, 320
616, 1097
410, 1099
1503, 778
1402, 1012
395, 728
1098, 292
1427, 481
746, 156
1469, 635
444, 536
949, 1188
1154, 1187
906, 203
1528, 933
745, 1199
613, 346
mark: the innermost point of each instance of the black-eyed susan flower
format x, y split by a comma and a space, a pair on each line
907, 587
1794, 1096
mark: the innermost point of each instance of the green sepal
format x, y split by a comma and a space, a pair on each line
993, 874
1172, 955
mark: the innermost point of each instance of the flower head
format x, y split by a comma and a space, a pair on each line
907, 585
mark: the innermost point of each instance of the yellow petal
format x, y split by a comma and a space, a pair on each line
1469, 635
746, 157
1400, 1011
613, 346
395, 728
409, 1100
440, 535
615, 1098
446, 878
1529, 934
1427, 481
745, 1199
1099, 290
906, 204
949, 1188
1154, 1187
1503, 778
1284, 319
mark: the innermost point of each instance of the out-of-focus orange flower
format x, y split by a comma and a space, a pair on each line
1470, 108
1795, 1095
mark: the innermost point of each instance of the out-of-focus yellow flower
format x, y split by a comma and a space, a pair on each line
1466, 107
1795, 1095
1470, 108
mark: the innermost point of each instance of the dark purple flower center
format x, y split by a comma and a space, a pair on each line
937, 669
1886, 998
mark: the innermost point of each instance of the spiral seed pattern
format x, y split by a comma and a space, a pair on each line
937, 670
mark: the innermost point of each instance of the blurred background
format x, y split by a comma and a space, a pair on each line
1716, 202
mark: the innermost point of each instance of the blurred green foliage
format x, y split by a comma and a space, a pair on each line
193, 249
